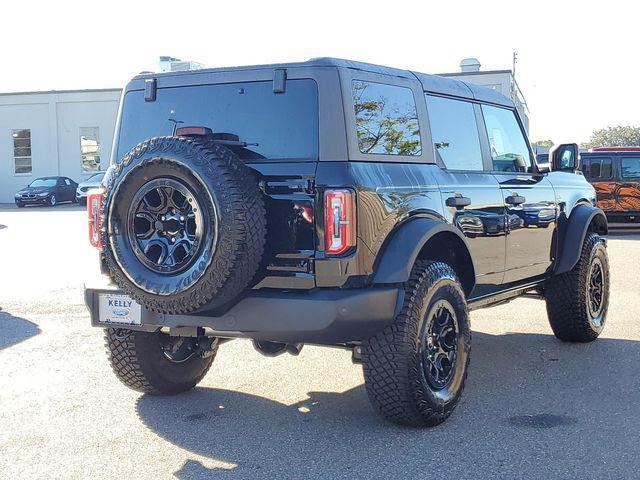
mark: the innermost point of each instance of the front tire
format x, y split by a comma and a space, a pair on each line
52, 201
20, 204
151, 362
578, 300
415, 369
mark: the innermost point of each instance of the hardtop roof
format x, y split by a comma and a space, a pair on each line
430, 83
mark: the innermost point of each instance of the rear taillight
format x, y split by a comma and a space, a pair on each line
340, 221
95, 199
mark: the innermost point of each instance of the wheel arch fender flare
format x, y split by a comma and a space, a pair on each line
405, 245
582, 219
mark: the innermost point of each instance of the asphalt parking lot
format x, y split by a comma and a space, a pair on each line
533, 407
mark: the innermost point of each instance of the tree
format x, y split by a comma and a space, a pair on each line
621, 136
543, 143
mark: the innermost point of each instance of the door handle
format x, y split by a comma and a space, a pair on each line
515, 200
458, 201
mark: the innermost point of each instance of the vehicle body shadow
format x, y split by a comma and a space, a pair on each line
557, 403
15, 330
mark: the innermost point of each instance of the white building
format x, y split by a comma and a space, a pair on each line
66, 133
503, 81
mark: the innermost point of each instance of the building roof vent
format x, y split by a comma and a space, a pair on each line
470, 65
172, 64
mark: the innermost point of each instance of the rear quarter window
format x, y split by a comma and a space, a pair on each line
277, 126
386, 119
630, 167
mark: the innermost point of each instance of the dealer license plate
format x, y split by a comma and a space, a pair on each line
119, 309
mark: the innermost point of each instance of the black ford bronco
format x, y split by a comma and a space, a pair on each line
333, 203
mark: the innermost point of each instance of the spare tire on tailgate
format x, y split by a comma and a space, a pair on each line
185, 224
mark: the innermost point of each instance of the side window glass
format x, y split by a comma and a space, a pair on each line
600, 168
67, 182
455, 133
509, 150
386, 119
630, 167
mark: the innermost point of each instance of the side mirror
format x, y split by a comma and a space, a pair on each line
565, 157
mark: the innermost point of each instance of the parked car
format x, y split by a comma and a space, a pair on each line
334, 203
615, 174
94, 181
47, 191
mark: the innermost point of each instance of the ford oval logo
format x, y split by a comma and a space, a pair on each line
121, 312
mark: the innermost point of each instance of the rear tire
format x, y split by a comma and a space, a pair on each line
578, 300
415, 369
140, 362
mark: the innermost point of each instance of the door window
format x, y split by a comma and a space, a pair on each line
509, 150
455, 133
630, 167
386, 119
67, 182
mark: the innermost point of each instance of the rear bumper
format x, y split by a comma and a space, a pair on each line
325, 317
623, 217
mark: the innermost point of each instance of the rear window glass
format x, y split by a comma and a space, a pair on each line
630, 167
277, 126
44, 182
386, 119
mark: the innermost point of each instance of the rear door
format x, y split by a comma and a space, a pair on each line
528, 197
69, 189
470, 194
60, 190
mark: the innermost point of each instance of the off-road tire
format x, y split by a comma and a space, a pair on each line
394, 376
138, 361
230, 195
567, 296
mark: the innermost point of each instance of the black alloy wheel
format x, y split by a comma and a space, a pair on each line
595, 291
166, 226
439, 344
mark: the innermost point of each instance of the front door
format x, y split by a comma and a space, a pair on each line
529, 198
471, 196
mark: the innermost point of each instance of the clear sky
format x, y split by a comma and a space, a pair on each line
579, 62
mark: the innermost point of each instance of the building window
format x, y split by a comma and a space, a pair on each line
21, 150
386, 119
90, 149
